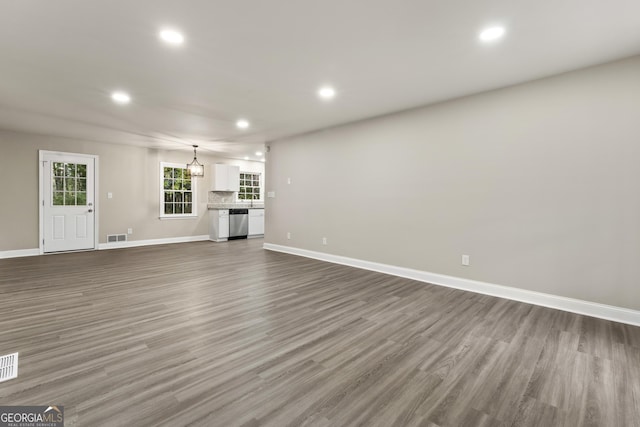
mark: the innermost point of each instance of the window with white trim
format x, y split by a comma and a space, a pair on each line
249, 186
177, 191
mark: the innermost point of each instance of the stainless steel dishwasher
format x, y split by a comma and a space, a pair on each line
238, 223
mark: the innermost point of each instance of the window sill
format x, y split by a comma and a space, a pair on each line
162, 218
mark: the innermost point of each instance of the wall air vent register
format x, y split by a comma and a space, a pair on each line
113, 238
8, 367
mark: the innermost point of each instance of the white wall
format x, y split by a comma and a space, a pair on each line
538, 183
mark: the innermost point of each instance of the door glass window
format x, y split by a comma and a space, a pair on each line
69, 184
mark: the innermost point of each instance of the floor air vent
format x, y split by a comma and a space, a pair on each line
113, 238
8, 367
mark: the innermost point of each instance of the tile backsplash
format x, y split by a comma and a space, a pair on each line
220, 197
227, 200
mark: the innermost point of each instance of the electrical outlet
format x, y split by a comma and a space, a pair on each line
288, 236
109, 195
288, 180
324, 240
465, 260
129, 230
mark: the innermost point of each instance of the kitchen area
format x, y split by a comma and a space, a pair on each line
236, 202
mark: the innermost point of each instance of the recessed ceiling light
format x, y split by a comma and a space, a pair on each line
326, 92
172, 37
491, 34
258, 153
121, 97
246, 157
242, 124
263, 160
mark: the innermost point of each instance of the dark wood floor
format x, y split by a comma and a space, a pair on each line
229, 334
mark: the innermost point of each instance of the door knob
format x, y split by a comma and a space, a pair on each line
90, 210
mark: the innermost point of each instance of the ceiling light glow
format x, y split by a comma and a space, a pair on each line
491, 34
121, 97
326, 92
258, 153
172, 37
242, 124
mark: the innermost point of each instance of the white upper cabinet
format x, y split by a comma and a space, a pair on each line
225, 177
234, 178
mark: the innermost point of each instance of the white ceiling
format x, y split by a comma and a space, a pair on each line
264, 61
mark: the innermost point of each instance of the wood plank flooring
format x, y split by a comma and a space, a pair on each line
206, 334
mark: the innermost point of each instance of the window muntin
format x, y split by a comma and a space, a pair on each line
69, 184
249, 186
178, 191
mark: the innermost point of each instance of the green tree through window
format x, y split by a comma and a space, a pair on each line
249, 186
69, 184
177, 191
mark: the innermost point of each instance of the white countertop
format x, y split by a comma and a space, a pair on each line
235, 206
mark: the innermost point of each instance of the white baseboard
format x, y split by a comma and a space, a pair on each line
150, 242
19, 253
102, 246
602, 311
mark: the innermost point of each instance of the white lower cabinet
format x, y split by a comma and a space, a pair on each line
256, 222
218, 225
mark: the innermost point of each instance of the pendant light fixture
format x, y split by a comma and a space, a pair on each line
195, 168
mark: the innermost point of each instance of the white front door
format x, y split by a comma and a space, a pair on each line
68, 208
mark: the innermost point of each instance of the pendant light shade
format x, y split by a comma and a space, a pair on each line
195, 168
